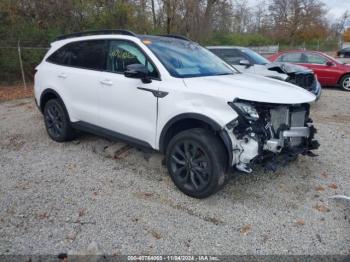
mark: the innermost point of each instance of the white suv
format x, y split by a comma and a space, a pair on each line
170, 94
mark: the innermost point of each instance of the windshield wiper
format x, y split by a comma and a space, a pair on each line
223, 74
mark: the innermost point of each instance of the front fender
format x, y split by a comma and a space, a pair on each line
209, 109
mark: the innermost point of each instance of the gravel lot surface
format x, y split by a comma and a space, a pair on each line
119, 200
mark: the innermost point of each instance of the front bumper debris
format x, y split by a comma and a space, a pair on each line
279, 136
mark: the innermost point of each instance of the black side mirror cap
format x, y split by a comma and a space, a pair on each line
138, 71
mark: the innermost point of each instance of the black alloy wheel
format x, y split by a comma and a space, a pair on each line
191, 165
54, 120
196, 161
57, 121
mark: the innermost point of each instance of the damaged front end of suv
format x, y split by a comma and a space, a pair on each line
298, 75
270, 134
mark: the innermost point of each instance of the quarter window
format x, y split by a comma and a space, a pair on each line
124, 53
61, 56
84, 54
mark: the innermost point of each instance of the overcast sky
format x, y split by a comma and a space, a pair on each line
335, 7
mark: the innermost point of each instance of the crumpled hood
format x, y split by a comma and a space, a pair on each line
250, 87
287, 68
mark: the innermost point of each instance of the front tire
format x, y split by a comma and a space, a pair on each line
196, 161
57, 122
345, 82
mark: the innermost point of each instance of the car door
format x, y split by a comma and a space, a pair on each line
327, 74
301, 59
128, 106
80, 66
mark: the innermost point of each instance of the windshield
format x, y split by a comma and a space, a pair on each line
186, 59
257, 59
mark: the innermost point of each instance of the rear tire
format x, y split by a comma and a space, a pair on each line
57, 121
196, 160
345, 82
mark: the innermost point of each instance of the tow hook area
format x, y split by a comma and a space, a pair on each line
269, 163
244, 168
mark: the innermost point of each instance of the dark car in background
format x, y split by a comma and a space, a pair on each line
248, 61
345, 52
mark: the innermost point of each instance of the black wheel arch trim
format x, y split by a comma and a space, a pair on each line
49, 91
171, 122
212, 123
228, 146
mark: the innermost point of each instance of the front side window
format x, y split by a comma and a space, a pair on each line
83, 54
291, 57
186, 59
255, 58
316, 59
123, 53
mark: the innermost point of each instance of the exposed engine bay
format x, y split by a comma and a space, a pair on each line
263, 133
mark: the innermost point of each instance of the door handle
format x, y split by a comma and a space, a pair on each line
62, 75
106, 82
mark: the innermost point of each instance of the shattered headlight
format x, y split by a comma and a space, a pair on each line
248, 111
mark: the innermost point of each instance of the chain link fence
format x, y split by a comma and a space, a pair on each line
323, 46
18, 61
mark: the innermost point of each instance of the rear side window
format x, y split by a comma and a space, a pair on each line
85, 54
290, 57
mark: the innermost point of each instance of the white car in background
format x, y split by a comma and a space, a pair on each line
248, 61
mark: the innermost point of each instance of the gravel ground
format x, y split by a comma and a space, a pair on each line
119, 200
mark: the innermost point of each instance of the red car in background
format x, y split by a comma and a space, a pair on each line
329, 71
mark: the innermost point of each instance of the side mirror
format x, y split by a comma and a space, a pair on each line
245, 63
138, 71
329, 63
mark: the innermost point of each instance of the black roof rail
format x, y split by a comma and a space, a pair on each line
97, 32
178, 37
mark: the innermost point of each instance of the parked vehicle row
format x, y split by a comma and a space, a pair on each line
174, 96
246, 60
329, 71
